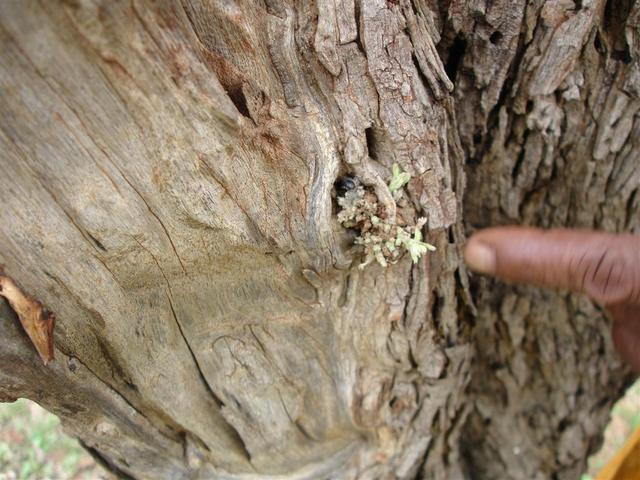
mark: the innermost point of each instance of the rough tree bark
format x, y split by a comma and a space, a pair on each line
166, 190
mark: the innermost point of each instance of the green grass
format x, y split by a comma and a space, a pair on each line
625, 418
33, 446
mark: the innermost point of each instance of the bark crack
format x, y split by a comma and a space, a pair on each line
235, 434
116, 393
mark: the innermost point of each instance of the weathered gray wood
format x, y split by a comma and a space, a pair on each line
166, 190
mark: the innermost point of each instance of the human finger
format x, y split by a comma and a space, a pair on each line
626, 333
603, 265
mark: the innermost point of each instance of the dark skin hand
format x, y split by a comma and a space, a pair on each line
604, 266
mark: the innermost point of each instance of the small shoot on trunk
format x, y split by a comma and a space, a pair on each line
382, 242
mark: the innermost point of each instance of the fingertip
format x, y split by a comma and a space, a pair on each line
480, 256
604, 266
504, 252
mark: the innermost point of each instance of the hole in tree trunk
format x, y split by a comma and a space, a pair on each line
495, 37
344, 184
456, 53
237, 97
371, 143
616, 14
529, 106
597, 44
622, 55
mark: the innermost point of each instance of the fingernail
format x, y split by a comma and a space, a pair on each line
480, 257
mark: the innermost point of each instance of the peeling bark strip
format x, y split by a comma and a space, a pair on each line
36, 321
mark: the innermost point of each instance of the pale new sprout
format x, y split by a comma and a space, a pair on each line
415, 246
382, 242
398, 179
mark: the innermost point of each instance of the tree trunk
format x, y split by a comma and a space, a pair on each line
167, 190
